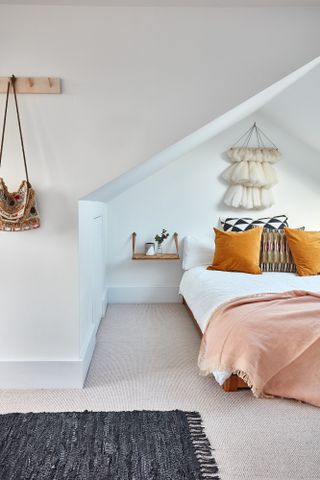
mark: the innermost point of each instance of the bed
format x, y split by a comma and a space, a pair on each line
203, 291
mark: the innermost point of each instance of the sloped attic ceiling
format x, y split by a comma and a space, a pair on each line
290, 90
297, 109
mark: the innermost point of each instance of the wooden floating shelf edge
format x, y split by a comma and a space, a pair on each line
165, 256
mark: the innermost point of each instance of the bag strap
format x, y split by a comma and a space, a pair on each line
4, 121
12, 82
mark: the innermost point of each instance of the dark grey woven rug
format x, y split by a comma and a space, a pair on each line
139, 445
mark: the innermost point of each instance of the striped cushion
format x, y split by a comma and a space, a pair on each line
275, 255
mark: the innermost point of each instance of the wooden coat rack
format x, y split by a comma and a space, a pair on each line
33, 84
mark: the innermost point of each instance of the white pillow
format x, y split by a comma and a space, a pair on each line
197, 251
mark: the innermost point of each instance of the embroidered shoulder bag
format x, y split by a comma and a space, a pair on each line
18, 210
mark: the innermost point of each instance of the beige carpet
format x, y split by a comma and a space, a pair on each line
146, 359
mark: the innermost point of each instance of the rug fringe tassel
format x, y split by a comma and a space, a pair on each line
202, 447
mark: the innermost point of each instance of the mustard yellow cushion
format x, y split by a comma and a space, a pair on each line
237, 251
305, 249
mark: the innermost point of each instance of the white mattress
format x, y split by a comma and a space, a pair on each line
204, 290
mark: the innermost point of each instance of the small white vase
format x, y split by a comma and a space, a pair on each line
149, 249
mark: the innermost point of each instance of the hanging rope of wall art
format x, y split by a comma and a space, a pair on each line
251, 175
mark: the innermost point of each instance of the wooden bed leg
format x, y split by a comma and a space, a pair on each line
231, 384
234, 383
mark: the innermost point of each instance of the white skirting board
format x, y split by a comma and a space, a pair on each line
55, 374
87, 354
19, 375
143, 294
105, 300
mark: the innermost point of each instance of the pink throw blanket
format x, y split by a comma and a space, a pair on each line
272, 341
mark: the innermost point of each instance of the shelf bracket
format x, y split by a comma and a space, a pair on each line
134, 236
176, 241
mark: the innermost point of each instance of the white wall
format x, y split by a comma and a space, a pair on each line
186, 197
135, 80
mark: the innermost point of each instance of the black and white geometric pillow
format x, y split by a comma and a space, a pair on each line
242, 224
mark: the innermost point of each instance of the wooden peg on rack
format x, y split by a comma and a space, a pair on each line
30, 81
49, 81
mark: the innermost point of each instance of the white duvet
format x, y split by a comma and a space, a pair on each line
204, 290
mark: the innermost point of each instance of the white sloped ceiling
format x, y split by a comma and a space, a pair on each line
283, 102
297, 109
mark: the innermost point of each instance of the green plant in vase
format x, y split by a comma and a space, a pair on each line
160, 238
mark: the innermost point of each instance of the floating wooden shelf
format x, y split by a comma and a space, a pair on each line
164, 256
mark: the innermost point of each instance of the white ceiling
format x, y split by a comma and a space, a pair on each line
171, 3
297, 109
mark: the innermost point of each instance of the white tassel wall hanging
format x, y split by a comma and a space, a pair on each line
251, 174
